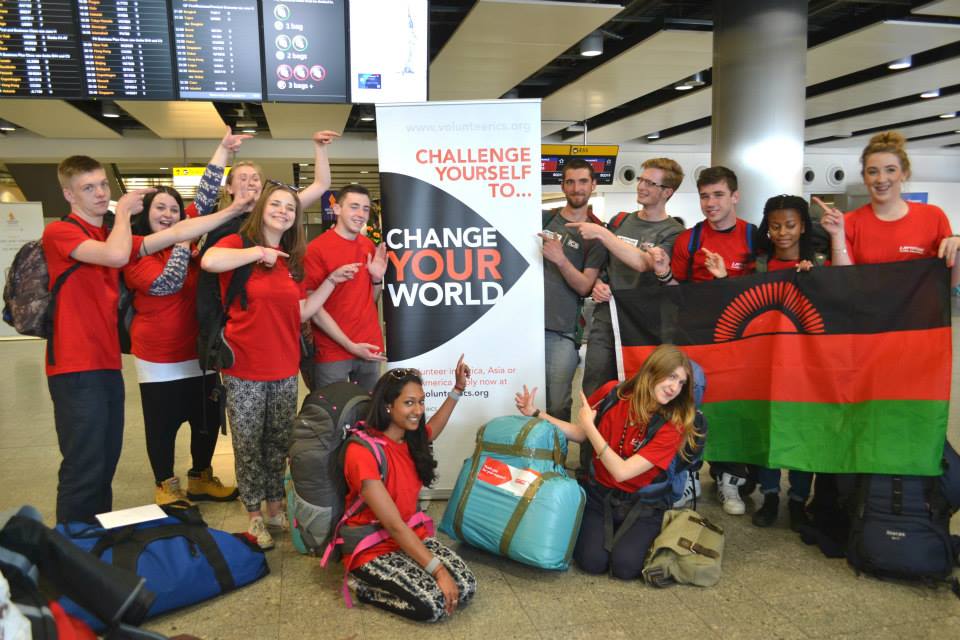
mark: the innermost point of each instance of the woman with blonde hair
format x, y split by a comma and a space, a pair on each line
658, 400
263, 334
889, 228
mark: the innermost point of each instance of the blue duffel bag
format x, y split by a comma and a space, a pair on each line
182, 560
513, 496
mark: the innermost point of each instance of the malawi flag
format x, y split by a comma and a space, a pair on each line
841, 369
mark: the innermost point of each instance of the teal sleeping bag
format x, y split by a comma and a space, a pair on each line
513, 496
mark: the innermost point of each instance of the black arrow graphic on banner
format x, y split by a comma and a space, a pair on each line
448, 266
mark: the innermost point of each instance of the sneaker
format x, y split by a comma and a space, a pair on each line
798, 515
204, 485
278, 521
258, 530
767, 514
690, 491
728, 492
169, 491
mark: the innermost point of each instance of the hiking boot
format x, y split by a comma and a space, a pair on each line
278, 521
798, 515
169, 491
767, 514
259, 532
203, 485
728, 491
690, 491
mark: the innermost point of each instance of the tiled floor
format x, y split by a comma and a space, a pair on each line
773, 586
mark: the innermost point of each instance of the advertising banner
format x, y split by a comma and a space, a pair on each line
20, 222
461, 212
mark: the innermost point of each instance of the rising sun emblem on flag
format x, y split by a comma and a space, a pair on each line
771, 307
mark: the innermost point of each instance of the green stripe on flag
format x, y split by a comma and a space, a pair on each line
876, 436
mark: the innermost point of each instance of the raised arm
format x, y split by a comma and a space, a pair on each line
220, 259
634, 257
439, 419
192, 228
833, 223
525, 405
314, 301
115, 250
321, 168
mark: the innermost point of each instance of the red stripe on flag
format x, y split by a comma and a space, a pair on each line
900, 365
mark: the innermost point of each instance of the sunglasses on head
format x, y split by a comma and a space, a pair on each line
277, 183
400, 374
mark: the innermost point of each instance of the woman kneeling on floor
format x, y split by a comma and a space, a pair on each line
409, 573
660, 391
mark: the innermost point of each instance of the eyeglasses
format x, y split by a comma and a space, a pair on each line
277, 183
400, 374
651, 183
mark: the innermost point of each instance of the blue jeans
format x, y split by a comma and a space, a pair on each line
800, 482
88, 412
561, 361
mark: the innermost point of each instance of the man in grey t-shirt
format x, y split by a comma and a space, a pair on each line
570, 268
627, 237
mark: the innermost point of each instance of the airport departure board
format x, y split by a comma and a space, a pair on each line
125, 49
304, 50
217, 45
38, 53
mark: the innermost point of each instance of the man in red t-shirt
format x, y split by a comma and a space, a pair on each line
722, 247
83, 355
346, 332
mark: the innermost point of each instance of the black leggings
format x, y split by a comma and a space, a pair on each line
166, 406
625, 560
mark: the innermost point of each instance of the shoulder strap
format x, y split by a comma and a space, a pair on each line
548, 217
693, 246
617, 220
656, 422
751, 231
608, 401
55, 291
238, 282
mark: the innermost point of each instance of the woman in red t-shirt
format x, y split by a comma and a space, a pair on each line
163, 338
263, 334
888, 228
783, 242
659, 391
410, 573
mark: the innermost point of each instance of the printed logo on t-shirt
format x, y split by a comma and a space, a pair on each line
905, 248
738, 266
630, 241
573, 244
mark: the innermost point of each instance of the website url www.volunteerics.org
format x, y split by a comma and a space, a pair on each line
467, 393
469, 126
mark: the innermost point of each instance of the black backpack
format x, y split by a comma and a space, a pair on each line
900, 527
212, 351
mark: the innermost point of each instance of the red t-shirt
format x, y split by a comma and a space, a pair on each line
403, 484
164, 328
85, 320
351, 304
660, 451
265, 338
914, 236
730, 243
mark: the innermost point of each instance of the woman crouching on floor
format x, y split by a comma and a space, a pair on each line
623, 464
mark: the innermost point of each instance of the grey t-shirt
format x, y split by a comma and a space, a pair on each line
561, 304
639, 232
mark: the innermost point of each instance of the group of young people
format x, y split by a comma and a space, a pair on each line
648, 245
334, 283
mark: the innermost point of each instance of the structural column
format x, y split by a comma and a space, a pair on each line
759, 86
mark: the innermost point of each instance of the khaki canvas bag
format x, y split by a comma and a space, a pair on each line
687, 551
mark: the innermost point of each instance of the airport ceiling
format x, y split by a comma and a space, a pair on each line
489, 49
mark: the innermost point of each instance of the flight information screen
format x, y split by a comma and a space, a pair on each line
217, 45
125, 49
304, 50
38, 53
